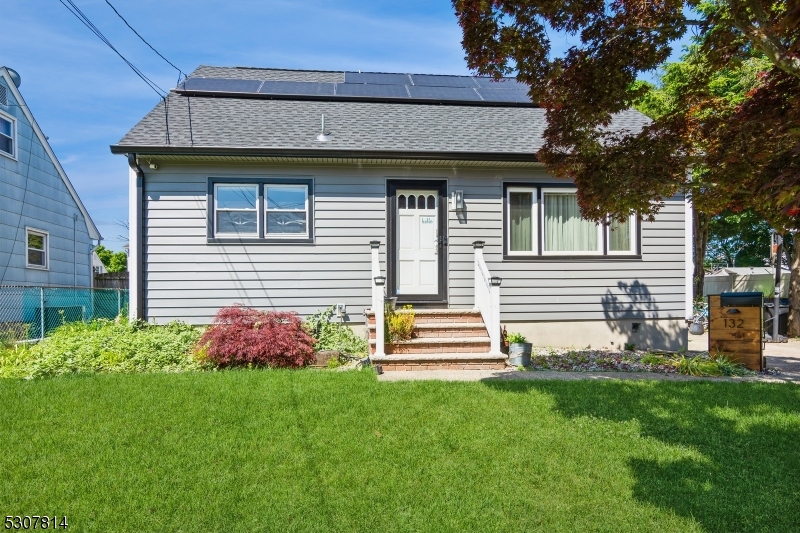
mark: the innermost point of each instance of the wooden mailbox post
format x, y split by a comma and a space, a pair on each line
735, 327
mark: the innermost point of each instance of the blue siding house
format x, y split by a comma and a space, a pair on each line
46, 233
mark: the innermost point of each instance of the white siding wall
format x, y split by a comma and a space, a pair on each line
189, 279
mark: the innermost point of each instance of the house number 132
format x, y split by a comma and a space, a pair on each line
734, 322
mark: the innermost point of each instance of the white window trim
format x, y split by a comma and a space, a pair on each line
563, 190
217, 209
267, 210
534, 220
632, 228
14, 137
46, 235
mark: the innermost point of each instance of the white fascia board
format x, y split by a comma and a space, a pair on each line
94, 233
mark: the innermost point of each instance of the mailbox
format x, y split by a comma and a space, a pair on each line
735, 325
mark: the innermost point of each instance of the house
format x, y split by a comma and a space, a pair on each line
298, 190
46, 233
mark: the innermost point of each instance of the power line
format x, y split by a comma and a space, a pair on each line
145, 42
72, 8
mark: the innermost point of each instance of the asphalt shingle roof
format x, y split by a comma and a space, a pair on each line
245, 123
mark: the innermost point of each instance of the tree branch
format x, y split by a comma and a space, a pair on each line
766, 41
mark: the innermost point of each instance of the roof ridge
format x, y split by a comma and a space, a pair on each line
277, 69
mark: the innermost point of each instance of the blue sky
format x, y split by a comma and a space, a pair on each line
85, 98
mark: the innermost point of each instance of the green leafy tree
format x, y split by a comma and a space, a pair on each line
739, 239
113, 261
745, 154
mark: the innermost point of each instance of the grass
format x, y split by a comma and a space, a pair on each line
329, 451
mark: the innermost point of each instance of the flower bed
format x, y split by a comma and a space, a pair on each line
570, 360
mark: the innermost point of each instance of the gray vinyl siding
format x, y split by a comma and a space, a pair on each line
33, 194
189, 279
652, 287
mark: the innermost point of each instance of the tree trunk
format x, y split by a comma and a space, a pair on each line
699, 245
794, 290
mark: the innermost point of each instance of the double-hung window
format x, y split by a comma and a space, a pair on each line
278, 210
287, 210
236, 210
7, 136
546, 221
37, 248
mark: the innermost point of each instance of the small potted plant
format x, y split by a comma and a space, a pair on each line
519, 350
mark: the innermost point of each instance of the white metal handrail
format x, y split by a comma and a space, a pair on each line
487, 297
378, 283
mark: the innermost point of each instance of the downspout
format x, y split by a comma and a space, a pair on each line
688, 259
136, 229
74, 251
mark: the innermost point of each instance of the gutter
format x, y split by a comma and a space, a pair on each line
417, 155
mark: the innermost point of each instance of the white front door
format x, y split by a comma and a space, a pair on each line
417, 242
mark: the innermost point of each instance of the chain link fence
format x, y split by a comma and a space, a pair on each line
31, 313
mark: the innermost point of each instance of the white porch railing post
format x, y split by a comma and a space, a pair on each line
378, 282
478, 247
494, 297
487, 297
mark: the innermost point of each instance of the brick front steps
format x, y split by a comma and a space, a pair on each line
452, 339
442, 361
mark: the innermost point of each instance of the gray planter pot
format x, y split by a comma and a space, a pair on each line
519, 353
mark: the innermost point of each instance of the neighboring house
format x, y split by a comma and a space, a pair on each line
240, 195
97, 264
45, 232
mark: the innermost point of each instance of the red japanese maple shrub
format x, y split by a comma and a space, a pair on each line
241, 336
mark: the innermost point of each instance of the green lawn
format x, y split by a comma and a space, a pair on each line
326, 451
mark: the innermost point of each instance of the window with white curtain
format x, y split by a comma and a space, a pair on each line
543, 220
564, 230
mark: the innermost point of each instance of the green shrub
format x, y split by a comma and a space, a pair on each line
399, 326
332, 335
728, 367
516, 338
653, 359
697, 366
106, 346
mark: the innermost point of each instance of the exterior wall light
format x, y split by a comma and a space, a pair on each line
457, 201
495, 281
380, 280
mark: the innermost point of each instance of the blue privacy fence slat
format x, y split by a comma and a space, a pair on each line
31, 313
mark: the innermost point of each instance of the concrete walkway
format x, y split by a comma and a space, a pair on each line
780, 356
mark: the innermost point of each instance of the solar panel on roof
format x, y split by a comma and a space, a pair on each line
376, 78
443, 93
376, 91
502, 83
297, 87
221, 85
430, 80
505, 95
